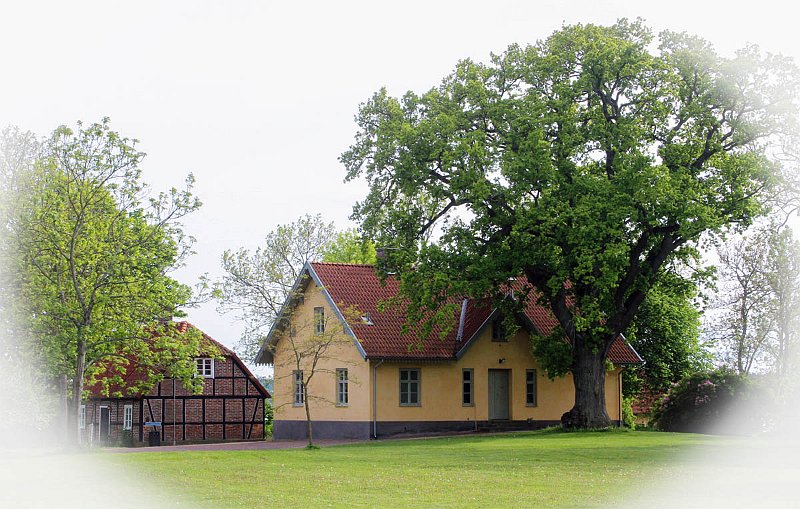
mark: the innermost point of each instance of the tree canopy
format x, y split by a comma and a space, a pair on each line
666, 333
590, 162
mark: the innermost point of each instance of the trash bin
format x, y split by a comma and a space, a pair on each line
154, 438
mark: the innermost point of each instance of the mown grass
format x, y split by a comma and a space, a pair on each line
535, 469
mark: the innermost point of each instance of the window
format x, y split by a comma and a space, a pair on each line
127, 417
319, 321
409, 387
497, 330
205, 367
297, 377
466, 387
341, 387
82, 417
530, 387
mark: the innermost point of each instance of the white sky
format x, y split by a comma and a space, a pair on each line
257, 98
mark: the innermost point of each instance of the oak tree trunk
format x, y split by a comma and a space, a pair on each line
589, 376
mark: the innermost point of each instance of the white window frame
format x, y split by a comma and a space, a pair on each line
82, 417
204, 367
127, 417
342, 387
297, 384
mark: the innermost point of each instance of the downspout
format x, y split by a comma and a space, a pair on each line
375, 398
619, 397
461, 320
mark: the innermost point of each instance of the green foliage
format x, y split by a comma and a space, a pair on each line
269, 416
92, 255
588, 162
555, 354
628, 419
666, 335
126, 438
709, 402
349, 247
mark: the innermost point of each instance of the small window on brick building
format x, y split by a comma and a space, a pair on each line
205, 367
127, 417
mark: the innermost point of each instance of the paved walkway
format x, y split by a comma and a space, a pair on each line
234, 446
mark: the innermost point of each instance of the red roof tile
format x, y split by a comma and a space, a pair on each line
359, 286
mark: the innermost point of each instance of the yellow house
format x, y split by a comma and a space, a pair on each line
369, 380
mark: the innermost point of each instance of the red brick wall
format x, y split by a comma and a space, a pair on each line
91, 431
219, 424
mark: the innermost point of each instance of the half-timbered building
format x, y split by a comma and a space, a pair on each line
230, 407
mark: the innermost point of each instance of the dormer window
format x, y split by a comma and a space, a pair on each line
205, 367
366, 320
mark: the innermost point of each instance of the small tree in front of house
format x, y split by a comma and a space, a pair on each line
312, 348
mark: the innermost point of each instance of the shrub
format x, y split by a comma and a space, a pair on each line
628, 419
718, 401
269, 414
126, 438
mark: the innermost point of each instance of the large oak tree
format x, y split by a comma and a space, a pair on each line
590, 163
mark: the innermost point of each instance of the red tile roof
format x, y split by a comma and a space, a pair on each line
135, 373
359, 286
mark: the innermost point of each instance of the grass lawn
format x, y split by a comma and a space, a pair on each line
535, 469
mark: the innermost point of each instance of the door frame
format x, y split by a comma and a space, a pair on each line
100, 422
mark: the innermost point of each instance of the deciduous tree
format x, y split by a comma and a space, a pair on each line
93, 254
257, 283
588, 162
755, 320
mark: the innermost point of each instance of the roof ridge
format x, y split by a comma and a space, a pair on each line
344, 264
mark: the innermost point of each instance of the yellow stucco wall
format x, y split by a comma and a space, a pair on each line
440, 390
342, 354
440, 386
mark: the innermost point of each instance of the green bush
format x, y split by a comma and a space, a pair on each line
126, 438
718, 401
269, 414
628, 419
